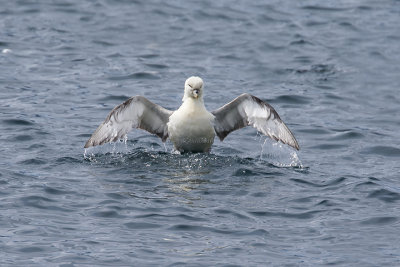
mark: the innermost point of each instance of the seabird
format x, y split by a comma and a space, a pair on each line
191, 128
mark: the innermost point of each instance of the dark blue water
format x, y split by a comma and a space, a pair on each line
330, 68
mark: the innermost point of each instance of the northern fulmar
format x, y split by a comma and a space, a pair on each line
191, 128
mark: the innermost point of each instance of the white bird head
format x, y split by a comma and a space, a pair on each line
193, 88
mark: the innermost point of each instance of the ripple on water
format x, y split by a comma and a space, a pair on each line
291, 99
329, 146
142, 225
385, 195
325, 8
317, 69
18, 122
366, 186
116, 196
41, 202
23, 138
244, 172
388, 151
31, 249
149, 56
180, 217
301, 215
34, 161
327, 203
107, 214
156, 66
348, 134
384, 220
136, 75
111, 98
55, 191
199, 228
67, 160
232, 213
314, 130
333, 182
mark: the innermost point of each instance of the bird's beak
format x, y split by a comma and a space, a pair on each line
196, 93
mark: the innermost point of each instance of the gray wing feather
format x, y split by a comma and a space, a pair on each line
248, 110
136, 112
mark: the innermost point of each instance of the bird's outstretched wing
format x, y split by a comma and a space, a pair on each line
249, 110
136, 112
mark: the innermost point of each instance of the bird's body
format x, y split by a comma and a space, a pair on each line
191, 128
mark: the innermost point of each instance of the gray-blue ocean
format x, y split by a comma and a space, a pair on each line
330, 69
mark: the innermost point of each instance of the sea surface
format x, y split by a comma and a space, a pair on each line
330, 68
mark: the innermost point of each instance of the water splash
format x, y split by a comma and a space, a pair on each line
165, 147
115, 149
275, 153
89, 156
279, 154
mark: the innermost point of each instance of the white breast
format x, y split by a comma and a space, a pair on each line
190, 128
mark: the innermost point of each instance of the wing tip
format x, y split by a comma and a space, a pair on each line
293, 143
296, 146
89, 143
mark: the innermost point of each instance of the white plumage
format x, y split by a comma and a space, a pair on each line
191, 128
